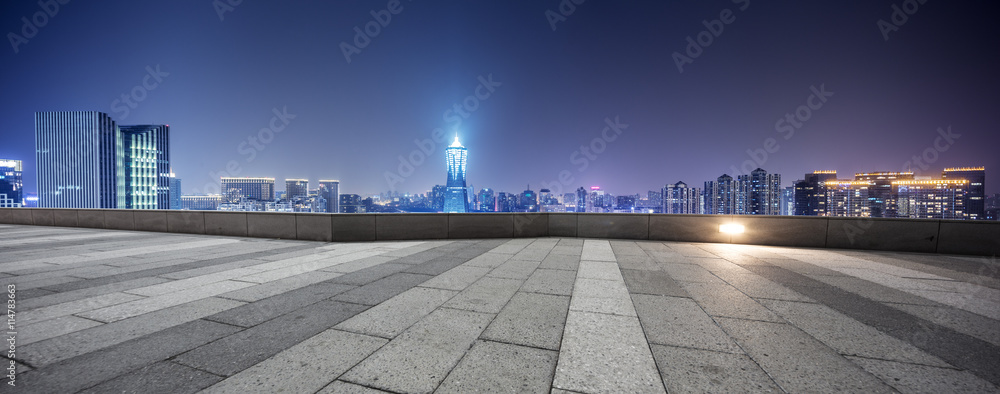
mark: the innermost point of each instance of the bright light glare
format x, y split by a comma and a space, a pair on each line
732, 228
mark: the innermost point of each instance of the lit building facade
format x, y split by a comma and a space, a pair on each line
78, 160
810, 193
882, 202
849, 198
456, 196
329, 190
720, 196
11, 183
351, 203
487, 202
175, 192
975, 195
234, 190
296, 188
681, 199
201, 203
758, 193
931, 199
146, 165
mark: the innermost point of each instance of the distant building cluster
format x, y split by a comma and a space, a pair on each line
84, 159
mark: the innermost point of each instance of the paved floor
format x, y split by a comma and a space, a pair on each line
118, 311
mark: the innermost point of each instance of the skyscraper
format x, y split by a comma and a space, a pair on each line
487, 202
175, 192
146, 164
85, 160
296, 188
679, 198
351, 203
849, 198
931, 199
759, 193
720, 196
810, 193
456, 198
528, 201
975, 194
330, 191
11, 181
883, 202
581, 199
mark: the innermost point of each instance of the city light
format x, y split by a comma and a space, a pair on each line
732, 228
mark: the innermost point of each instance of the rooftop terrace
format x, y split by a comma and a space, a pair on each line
102, 310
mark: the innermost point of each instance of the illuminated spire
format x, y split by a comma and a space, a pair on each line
456, 144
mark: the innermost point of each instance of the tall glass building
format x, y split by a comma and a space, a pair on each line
146, 165
11, 183
257, 189
79, 160
456, 196
975, 196
329, 189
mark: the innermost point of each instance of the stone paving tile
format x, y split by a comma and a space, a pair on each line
680, 322
724, 300
512, 246
269, 308
234, 353
502, 367
601, 296
549, 281
564, 250
798, 362
568, 262
29, 303
273, 288
865, 289
529, 319
96, 338
183, 285
691, 273
597, 250
420, 358
382, 289
305, 367
605, 353
848, 336
652, 282
457, 278
912, 378
146, 305
967, 323
703, 371
395, 315
637, 262
31, 333
436, 266
71, 307
514, 269
489, 260
368, 275
45, 282
90, 369
342, 387
599, 270
487, 295
164, 377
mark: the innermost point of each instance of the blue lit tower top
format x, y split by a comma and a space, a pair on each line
456, 155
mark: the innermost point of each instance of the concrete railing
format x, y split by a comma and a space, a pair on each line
909, 235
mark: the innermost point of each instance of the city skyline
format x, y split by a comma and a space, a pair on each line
273, 88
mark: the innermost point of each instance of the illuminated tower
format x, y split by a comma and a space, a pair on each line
456, 195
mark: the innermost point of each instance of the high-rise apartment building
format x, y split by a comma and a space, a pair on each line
678, 198
257, 189
720, 196
85, 160
296, 188
882, 202
582, 200
810, 193
487, 202
975, 195
759, 193
329, 190
456, 198
931, 199
11, 182
849, 198
351, 203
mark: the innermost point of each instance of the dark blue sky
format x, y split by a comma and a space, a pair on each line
352, 121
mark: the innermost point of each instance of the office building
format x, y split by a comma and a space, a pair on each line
758, 193
146, 165
487, 202
931, 199
175, 192
11, 182
235, 190
582, 199
882, 202
528, 201
678, 198
975, 194
849, 198
456, 198
436, 197
86, 160
810, 193
329, 190
210, 202
351, 203
296, 188
720, 196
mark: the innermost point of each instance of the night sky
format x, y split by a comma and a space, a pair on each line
220, 80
